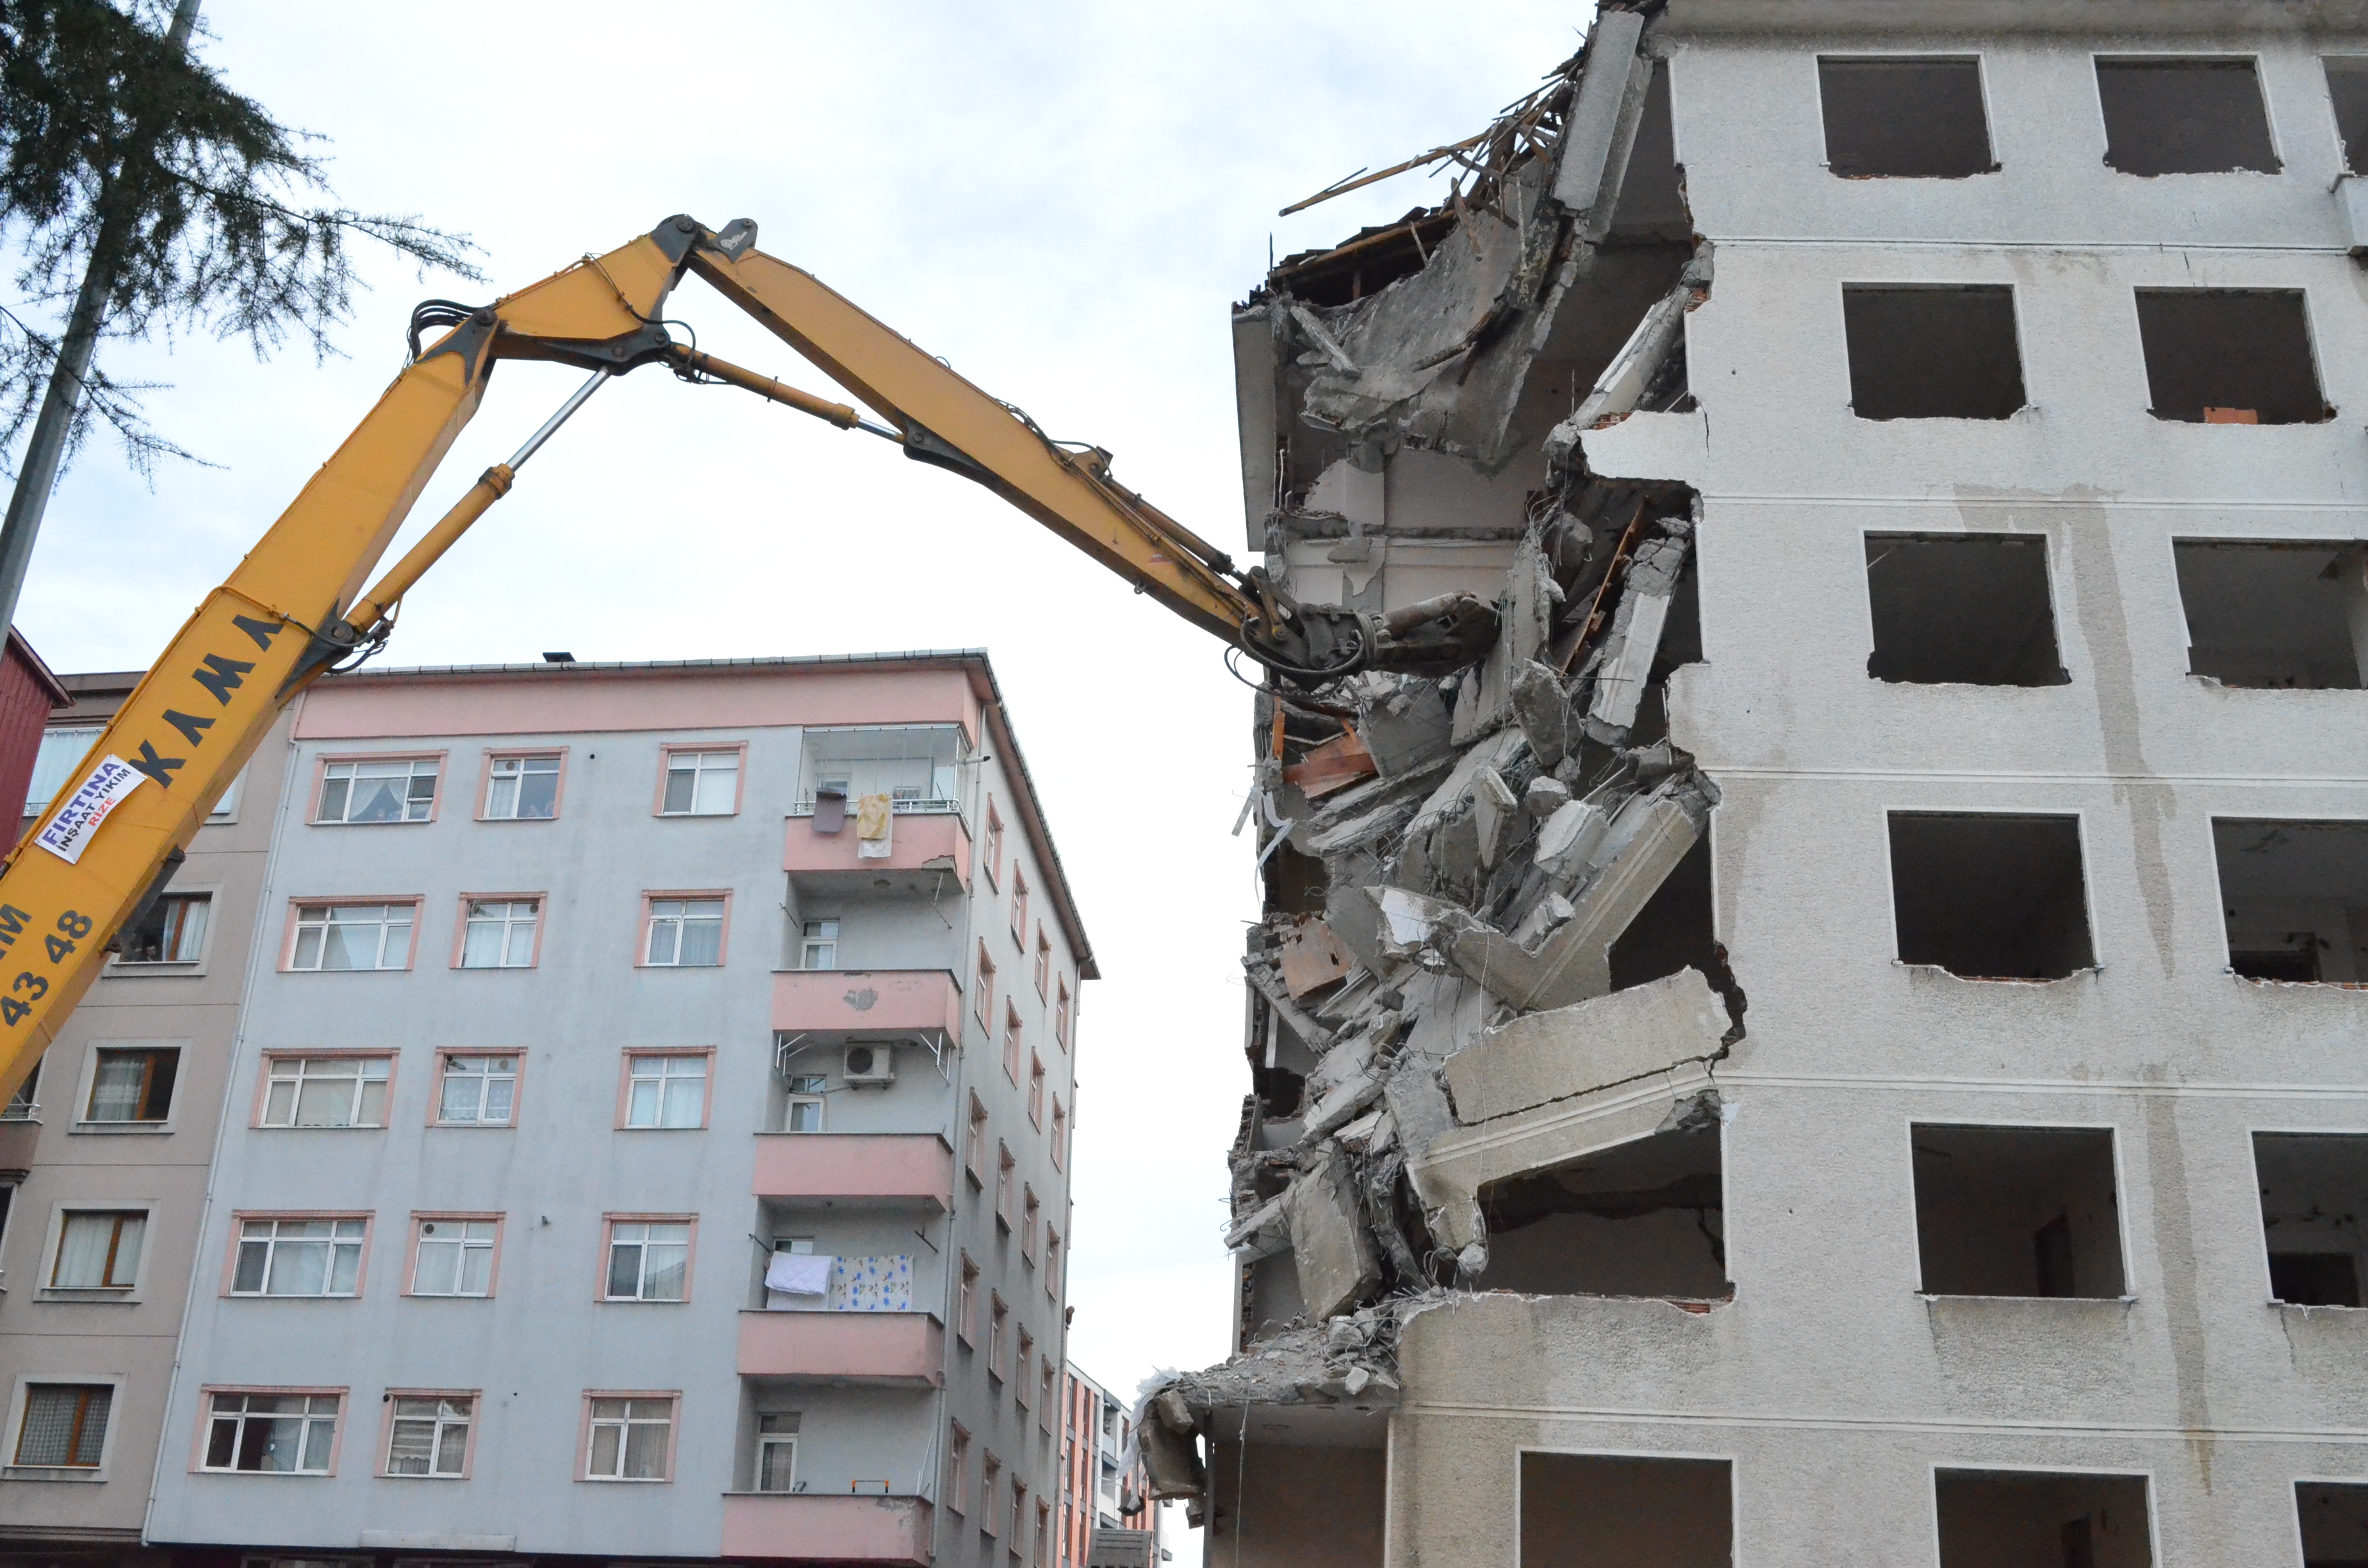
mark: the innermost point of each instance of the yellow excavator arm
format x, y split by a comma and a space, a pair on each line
296, 607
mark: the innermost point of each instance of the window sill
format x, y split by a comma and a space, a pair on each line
121, 1296
285, 1127
122, 1129
694, 816
672, 968
633, 1302
85, 1474
476, 1125
554, 817
2313, 1307
497, 967
627, 1129
401, 822
626, 1479
117, 969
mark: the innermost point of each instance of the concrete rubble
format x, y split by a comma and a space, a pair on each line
1452, 864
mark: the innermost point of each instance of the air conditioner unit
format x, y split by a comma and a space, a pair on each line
870, 1064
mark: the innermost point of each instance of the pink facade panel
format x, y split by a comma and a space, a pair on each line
810, 1528
906, 1349
873, 1001
910, 1166
915, 841
562, 700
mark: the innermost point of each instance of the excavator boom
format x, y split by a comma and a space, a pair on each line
296, 606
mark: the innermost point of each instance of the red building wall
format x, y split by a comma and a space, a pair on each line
27, 694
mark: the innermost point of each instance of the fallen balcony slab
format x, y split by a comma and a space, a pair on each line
1541, 1058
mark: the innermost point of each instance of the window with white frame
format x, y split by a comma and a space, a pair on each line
1060, 1134
1043, 964
666, 1091
522, 789
60, 755
132, 1083
429, 1435
27, 1100
1023, 1359
1061, 1012
64, 1426
777, 1452
804, 1109
1031, 1213
649, 1260
1011, 1042
975, 1142
990, 1481
701, 784
966, 1301
685, 933
454, 1258
1003, 1168
958, 1469
991, 844
499, 933
174, 931
99, 1249
819, 946
998, 1318
984, 1003
629, 1438
1019, 905
325, 1091
1052, 1263
299, 1257
226, 804
1035, 1089
476, 1091
401, 790
353, 936
275, 1433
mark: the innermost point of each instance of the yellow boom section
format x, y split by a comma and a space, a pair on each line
176, 744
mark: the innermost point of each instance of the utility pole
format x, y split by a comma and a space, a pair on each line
38, 475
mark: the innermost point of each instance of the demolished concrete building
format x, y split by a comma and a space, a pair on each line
1854, 408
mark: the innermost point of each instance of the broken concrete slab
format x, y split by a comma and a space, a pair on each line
1329, 1243
1575, 963
1451, 1169
1543, 1057
1568, 840
1542, 707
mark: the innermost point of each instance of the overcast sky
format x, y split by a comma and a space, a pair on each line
1062, 200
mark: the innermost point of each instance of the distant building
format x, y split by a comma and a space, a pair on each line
644, 1095
1106, 1511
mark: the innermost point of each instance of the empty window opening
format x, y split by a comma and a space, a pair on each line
2295, 895
2346, 90
2334, 1523
1682, 643
2008, 1519
1652, 200
1970, 609
1609, 1510
1644, 1219
2275, 614
1908, 118
2017, 1212
2185, 117
1927, 351
1988, 896
2230, 357
1261, 1515
2314, 1191
1673, 931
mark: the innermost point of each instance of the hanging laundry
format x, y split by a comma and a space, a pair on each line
875, 826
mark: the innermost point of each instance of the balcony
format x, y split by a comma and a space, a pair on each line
918, 841
871, 1001
877, 1167
810, 1528
844, 1349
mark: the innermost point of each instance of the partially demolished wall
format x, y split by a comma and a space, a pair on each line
1486, 902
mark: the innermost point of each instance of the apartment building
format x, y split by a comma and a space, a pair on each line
1106, 1513
646, 1131
1841, 1040
104, 1155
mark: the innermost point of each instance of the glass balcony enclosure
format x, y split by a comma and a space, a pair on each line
919, 765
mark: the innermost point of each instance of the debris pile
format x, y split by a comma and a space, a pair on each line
1486, 892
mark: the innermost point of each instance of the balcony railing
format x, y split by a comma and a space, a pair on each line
802, 1526
920, 840
886, 1167
872, 1002
877, 1349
